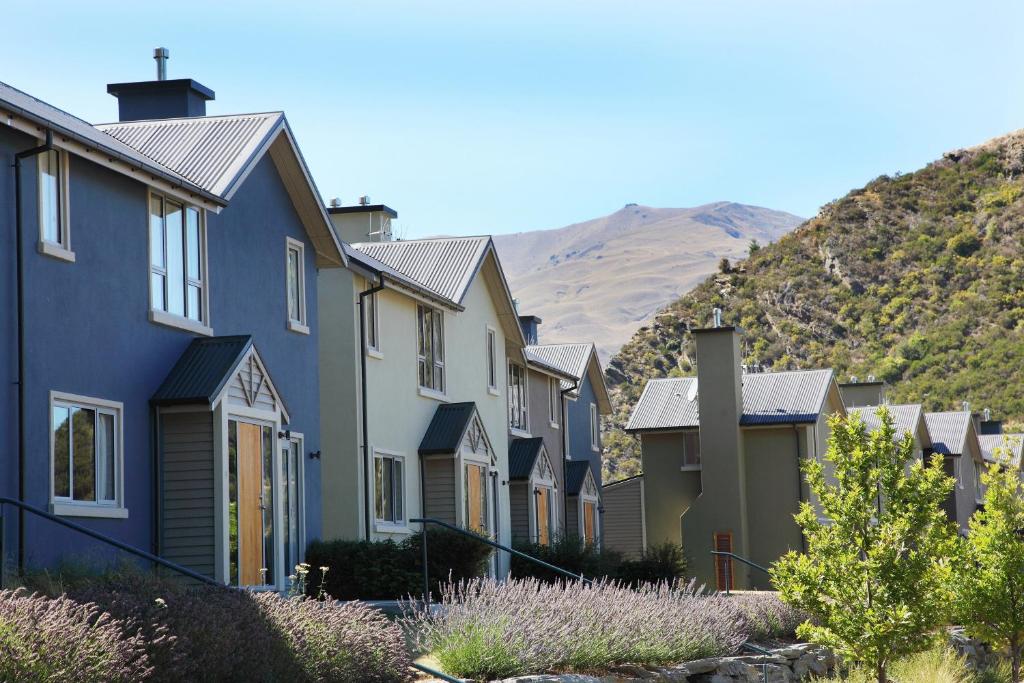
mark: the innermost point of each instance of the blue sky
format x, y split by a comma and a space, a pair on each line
494, 116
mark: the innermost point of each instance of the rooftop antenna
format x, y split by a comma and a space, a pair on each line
717, 313
161, 55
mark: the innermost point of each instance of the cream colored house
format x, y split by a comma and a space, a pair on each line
431, 327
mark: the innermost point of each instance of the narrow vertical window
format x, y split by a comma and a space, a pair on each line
372, 323
177, 263
86, 455
691, 450
430, 348
595, 428
267, 503
390, 488
54, 228
295, 274
492, 359
554, 400
291, 503
233, 568
517, 410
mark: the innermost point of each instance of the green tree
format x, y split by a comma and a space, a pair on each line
875, 575
990, 584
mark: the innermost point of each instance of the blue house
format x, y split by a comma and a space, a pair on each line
158, 332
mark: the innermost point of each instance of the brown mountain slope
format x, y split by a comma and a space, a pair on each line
602, 279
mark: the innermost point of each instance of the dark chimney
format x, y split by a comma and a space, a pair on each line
529, 325
160, 99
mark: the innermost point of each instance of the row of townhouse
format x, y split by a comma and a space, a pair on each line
721, 455
209, 364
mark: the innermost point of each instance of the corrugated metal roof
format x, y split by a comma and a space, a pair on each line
1013, 443
447, 427
905, 417
948, 431
202, 370
569, 358
522, 454
396, 277
210, 151
444, 265
63, 123
575, 475
768, 398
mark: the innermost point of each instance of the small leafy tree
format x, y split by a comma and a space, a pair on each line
875, 575
990, 582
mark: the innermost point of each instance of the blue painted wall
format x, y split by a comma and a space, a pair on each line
88, 329
579, 429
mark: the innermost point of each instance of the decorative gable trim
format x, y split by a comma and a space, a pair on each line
250, 387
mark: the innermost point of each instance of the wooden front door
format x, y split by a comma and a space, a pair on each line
588, 523
250, 503
543, 516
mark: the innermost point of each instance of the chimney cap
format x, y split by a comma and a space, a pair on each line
118, 89
723, 328
361, 208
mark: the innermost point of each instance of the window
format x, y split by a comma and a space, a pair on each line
492, 360
430, 348
554, 400
543, 512
979, 488
723, 563
86, 456
291, 500
372, 322
390, 488
595, 428
54, 228
296, 279
476, 497
177, 248
691, 450
517, 417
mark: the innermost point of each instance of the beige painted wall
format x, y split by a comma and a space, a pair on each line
668, 491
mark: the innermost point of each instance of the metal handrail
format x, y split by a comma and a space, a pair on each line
434, 673
494, 544
734, 556
100, 537
764, 658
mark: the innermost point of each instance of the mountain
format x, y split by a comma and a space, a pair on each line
917, 279
602, 279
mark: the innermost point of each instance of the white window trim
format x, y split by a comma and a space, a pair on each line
586, 498
520, 431
960, 478
165, 318
491, 350
429, 392
72, 508
373, 351
299, 324
690, 467
595, 429
299, 439
979, 489
58, 250
382, 525
554, 401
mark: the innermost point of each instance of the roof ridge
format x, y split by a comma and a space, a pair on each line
186, 119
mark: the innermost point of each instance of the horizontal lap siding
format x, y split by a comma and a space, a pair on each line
623, 518
187, 519
519, 502
572, 517
439, 481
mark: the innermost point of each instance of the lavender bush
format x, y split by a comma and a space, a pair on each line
490, 630
766, 617
56, 639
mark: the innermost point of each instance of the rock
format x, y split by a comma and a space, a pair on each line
702, 666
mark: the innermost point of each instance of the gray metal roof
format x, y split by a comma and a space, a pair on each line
444, 265
211, 151
575, 475
948, 431
522, 454
396, 277
796, 396
202, 370
447, 427
1013, 443
62, 123
905, 417
575, 360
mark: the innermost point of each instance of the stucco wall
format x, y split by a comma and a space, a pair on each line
540, 425
668, 492
579, 429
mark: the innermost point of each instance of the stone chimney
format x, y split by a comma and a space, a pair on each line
161, 98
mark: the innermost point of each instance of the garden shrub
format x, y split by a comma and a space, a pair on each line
664, 562
385, 570
766, 617
492, 630
56, 639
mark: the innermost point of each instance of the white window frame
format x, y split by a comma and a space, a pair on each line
437, 360
688, 464
491, 359
554, 401
301, 323
60, 249
163, 316
67, 506
581, 513
371, 319
524, 428
299, 441
595, 429
384, 525
979, 489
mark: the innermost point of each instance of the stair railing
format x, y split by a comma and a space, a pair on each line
729, 557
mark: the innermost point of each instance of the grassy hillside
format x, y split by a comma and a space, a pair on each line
917, 279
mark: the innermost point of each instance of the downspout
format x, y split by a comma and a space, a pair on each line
20, 268
565, 454
362, 385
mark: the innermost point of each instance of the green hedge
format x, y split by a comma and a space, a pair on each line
661, 563
385, 570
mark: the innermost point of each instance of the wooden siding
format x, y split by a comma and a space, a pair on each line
186, 525
250, 387
572, 517
439, 484
623, 518
519, 507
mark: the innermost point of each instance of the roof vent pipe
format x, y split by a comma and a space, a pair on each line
161, 55
987, 415
364, 200
718, 317
966, 406
335, 202
853, 379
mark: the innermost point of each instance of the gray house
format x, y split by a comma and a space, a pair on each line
954, 435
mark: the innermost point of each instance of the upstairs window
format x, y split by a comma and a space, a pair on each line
54, 229
517, 415
390, 488
85, 452
372, 322
595, 428
430, 348
492, 360
691, 450
554, 400
177, 248
295, 269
